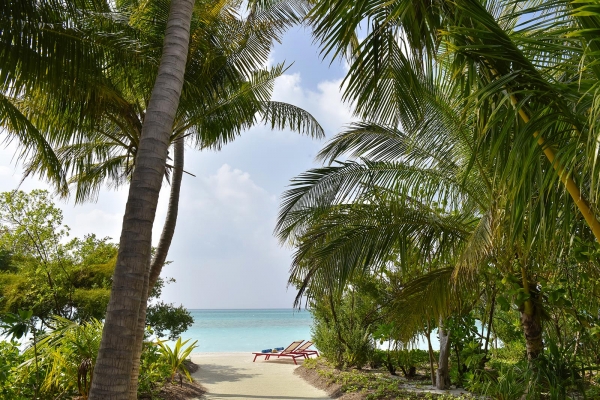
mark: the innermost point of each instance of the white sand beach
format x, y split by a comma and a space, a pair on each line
235, 376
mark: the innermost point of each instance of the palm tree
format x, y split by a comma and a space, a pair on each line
225, 91
112, 374
433, 186
55, 48
511, 60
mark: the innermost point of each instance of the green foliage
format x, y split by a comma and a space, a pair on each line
162, 317
342, 329
66, 355
62, 360
70, 280
16, 325
510, 384
176, 356
371, 385
47, 275
154, 370
13, 383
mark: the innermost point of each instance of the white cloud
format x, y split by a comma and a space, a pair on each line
5, 171
224, 251
325, 104
224, 248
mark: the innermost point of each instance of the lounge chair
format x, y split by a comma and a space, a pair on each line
304, 349
287, 352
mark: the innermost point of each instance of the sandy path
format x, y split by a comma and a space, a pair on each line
235, 376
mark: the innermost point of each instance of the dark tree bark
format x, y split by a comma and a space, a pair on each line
531, 322
531, 319
113, 370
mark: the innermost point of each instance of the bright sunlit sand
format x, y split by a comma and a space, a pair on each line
235, 376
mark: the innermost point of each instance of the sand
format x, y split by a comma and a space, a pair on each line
235, 376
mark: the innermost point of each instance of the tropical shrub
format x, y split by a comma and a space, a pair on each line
59, 365
175, 357
154, 371
65, 357
13, 384
343, 333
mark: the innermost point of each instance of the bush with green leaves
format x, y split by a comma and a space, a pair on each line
14, 384
43, 272
176, 356
343, 332
166, 319
154, 371
60, 363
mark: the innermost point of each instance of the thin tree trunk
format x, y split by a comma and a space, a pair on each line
173, 209
489, 328
443, 371
430, 351
112, 374
159, 258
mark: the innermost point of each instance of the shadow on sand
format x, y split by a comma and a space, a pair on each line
215, 373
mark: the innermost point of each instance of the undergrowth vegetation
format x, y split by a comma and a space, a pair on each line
368, 349
60, 363
53, 296
373, 385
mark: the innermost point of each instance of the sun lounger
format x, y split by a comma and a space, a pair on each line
304, 349
287, 352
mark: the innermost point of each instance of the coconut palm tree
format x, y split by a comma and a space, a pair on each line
226, 90
447, 193
56, 48
529, 66
112, 375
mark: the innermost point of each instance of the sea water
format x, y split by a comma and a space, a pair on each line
247, 330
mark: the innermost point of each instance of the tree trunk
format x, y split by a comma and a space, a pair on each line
430, 351
173, 209
159, 258
532, 328
139, 342
531, 320
443, 371
112, 374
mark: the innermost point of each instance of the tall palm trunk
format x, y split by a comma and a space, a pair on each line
139, 342
159, 259
430, 351
112, 374
443, 371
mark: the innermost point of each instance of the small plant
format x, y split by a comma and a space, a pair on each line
154, 372
511, 384
175, 357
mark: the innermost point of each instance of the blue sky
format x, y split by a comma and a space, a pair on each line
224, 253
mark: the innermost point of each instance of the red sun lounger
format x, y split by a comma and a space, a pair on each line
304, 350
287, 352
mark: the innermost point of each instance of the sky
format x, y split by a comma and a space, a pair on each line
224, 254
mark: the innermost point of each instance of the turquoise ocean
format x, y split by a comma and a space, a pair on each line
247, 330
